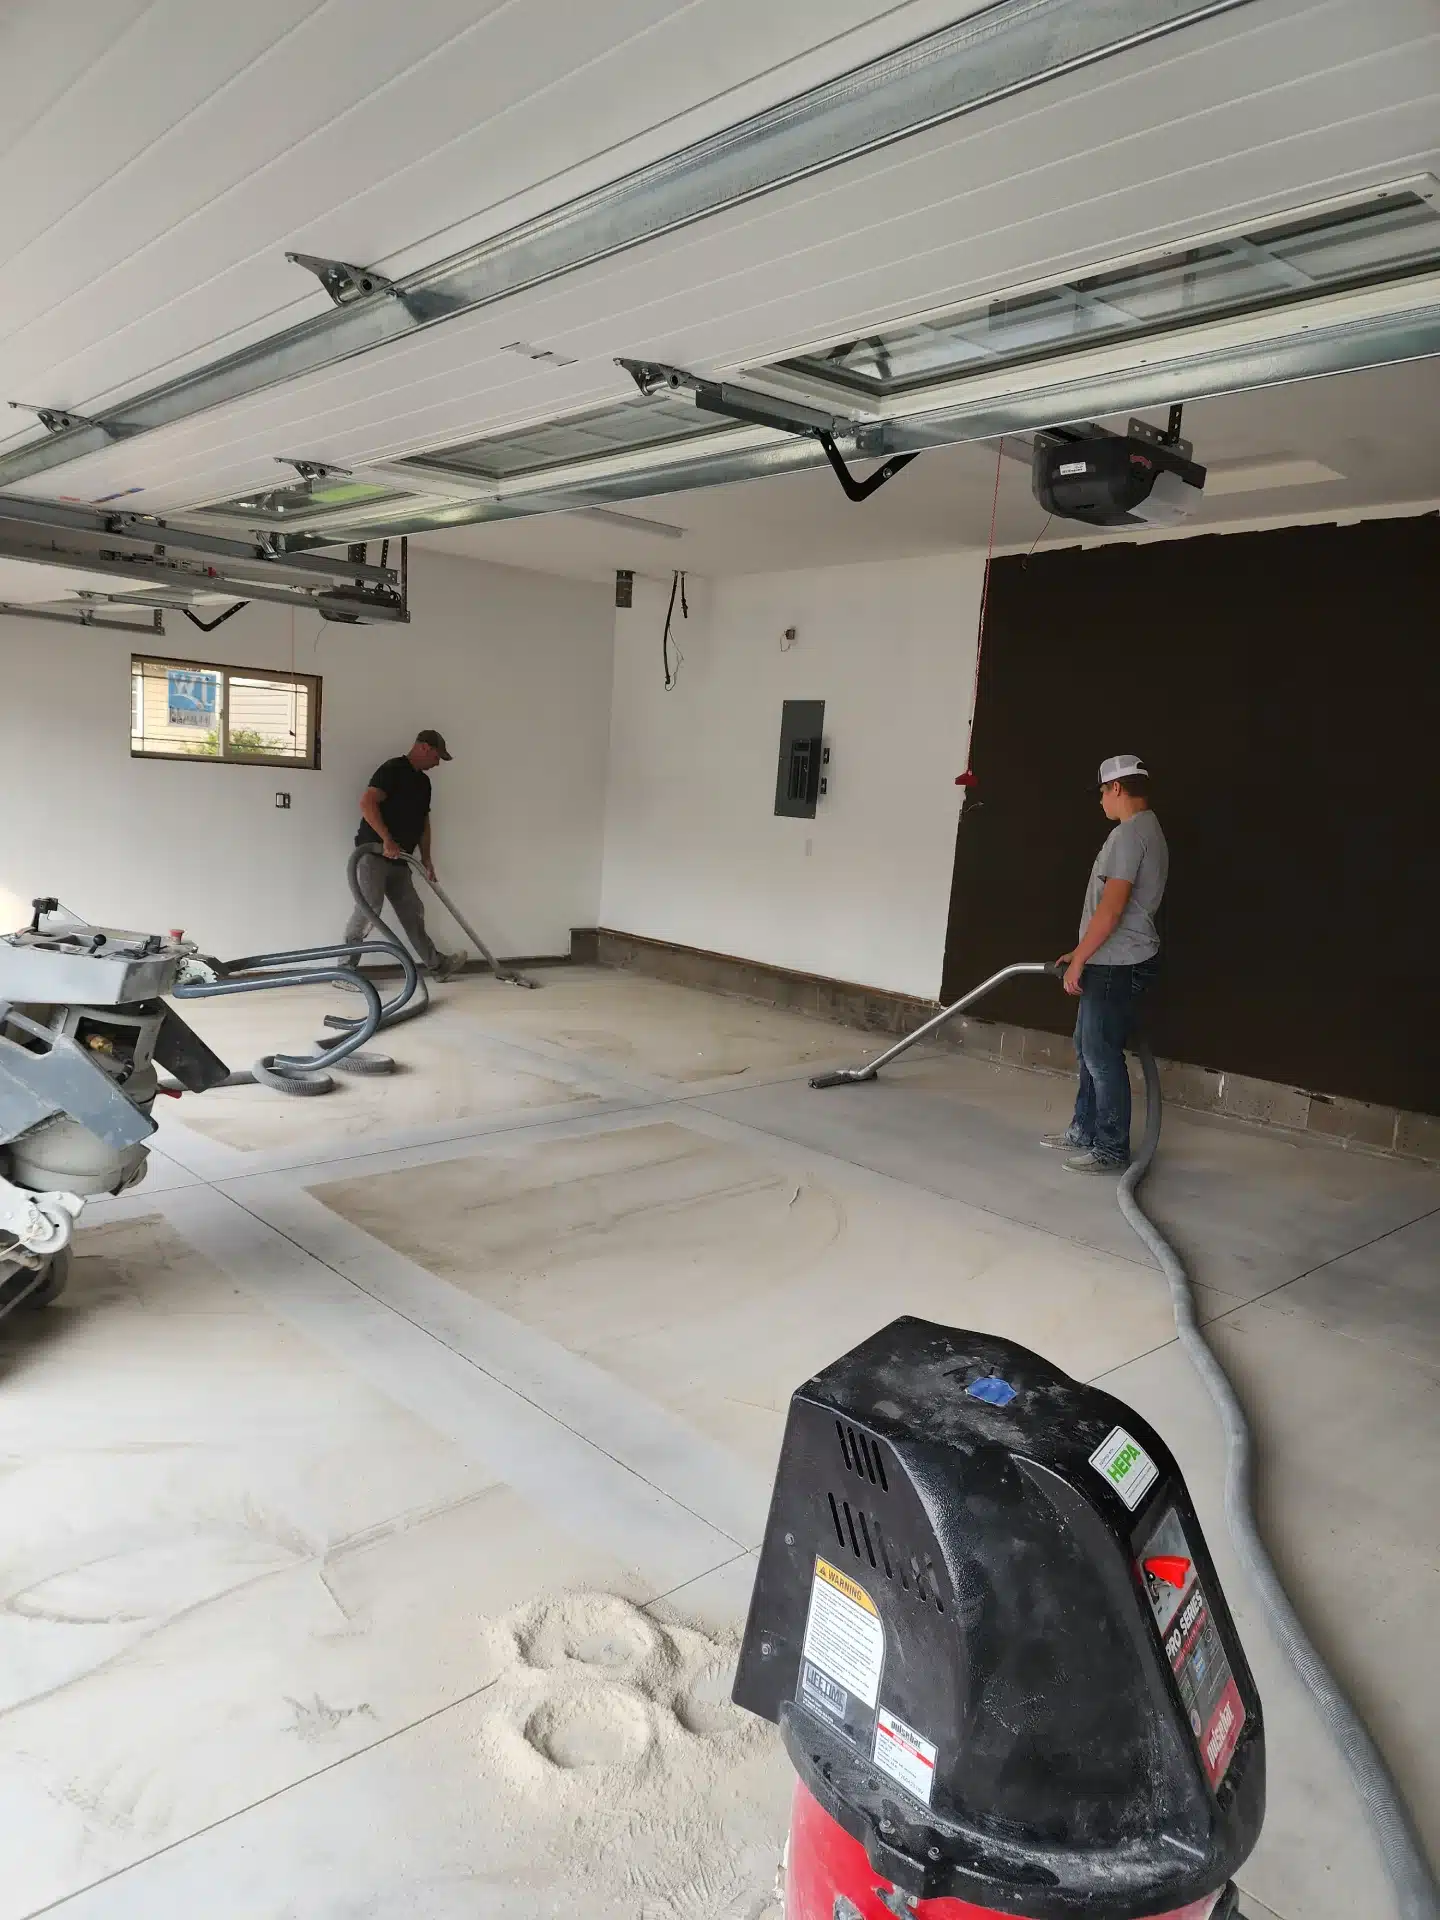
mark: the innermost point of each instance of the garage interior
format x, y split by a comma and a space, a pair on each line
383, 1496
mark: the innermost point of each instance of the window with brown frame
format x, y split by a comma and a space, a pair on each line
245, 716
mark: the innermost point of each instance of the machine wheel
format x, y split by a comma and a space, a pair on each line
57, 1278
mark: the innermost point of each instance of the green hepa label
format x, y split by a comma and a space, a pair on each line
1126, 1465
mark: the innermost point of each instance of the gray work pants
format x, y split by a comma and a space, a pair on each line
380, 880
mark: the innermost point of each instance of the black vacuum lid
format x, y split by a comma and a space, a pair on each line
987, 1622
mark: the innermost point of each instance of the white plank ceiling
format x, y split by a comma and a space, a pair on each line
173, 154
182, 149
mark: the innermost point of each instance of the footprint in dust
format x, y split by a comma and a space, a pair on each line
706, 1708
591, 1631
316, 1718
600, 1727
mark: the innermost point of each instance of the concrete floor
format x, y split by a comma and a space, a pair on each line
350, 1380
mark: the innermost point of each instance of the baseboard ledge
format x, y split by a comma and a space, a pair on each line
1334, 1118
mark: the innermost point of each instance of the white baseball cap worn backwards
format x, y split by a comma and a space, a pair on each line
1121, 766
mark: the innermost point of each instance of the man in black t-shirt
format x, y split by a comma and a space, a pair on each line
394, 821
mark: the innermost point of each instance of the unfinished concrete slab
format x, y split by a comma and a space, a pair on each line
447, 1071
1251, 1207
1383, 1295
654, 1031
229, 1562
603, 1772
281, 1466
714, 1277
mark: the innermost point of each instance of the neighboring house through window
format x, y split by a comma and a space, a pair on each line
191, 710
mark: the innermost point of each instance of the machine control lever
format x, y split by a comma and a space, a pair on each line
1170, 1568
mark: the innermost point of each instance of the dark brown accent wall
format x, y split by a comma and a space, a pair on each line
1284, 689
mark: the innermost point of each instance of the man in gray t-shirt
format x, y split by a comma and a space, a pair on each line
1115, 960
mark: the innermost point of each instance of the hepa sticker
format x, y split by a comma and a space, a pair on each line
1126, 1465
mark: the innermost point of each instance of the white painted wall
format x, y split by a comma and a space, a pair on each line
513, 667
693, 850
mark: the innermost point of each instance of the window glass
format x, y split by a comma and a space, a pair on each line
1271, 266
189, 710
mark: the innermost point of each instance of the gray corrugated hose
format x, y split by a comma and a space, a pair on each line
1390, 1818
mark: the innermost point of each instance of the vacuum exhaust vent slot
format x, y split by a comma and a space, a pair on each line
862, 1456
866, 1532
863, 1534
835, 1516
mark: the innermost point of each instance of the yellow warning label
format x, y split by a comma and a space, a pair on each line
844, 1638
842, 1583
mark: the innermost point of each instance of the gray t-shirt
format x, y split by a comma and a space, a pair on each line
1134, 850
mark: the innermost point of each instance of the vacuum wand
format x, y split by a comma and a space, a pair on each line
848, 1076
501, 972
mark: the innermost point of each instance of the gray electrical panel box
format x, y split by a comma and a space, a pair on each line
797, 781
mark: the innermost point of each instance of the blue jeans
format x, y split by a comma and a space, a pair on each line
1102, 1027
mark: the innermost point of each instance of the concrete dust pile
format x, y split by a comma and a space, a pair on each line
616, 1776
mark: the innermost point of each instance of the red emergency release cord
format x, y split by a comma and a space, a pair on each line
967, 778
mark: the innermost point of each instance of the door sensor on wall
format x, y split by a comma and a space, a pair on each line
798, 784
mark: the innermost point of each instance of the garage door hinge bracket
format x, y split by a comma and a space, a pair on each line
313, 469
61, 420
346, 284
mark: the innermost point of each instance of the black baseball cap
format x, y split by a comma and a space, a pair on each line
428, 737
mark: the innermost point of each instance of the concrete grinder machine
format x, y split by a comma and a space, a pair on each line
83, 1028
990, 1631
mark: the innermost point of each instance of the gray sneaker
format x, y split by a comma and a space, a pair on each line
1067, 1142
1090, 1162
450, 965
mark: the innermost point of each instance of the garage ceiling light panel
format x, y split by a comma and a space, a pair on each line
302, 500
1379, 241
621, 428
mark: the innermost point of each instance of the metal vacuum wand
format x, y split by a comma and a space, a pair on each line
847, 1076
508, 974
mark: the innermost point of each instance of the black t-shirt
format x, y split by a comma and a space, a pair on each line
406, 806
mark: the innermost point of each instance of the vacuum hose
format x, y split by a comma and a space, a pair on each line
1390, 1818
305, 1075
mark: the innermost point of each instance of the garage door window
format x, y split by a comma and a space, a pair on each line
190, 710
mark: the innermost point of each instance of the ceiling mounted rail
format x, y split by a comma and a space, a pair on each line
783, 416
184, 562
1003, 50
1337, 334
81, 616
61, 420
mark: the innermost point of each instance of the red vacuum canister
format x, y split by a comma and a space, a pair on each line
988, 1626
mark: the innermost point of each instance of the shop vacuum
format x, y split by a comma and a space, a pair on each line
991, 1633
